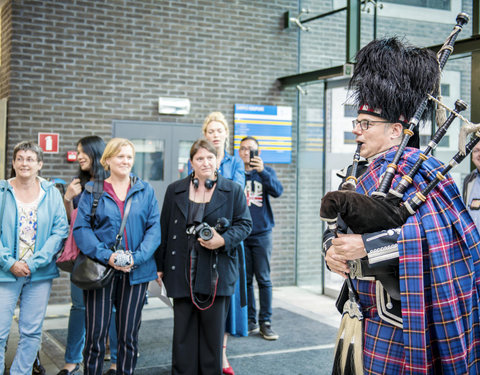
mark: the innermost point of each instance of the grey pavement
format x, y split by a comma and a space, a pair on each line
318, 308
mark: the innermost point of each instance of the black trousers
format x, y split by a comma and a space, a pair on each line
128, 300
198, 337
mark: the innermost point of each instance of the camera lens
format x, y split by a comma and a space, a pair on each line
206, 233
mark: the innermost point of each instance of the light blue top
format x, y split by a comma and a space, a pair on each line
232, 167
52, 229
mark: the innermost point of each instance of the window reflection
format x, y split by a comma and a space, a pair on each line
149, 159
183, 157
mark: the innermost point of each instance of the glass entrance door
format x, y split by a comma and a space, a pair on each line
161, 150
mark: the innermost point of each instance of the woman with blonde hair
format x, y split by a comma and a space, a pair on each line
96, 236
215, 130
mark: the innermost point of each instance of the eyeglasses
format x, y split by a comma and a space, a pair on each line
27, 160
365, 124
246, 149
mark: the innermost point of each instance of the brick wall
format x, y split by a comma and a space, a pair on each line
6, 33
79, 65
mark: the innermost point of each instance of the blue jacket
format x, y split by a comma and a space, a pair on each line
52, 229
258, 189
143, 229
232, 167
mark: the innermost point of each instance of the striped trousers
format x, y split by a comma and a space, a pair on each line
128, 301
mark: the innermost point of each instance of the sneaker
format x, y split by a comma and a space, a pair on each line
252, 327
267, 332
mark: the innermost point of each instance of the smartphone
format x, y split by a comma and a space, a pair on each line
253, 153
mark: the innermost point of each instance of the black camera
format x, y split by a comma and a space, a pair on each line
205, 231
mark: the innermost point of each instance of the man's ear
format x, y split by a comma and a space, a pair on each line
397, 130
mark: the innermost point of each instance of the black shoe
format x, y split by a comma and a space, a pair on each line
66, 372
110, 372
252, 327
267, 332
38, 369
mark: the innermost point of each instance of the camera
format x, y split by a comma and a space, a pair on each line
253, 153
205, 231
123, 258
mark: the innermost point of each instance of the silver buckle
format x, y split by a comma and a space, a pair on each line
355, 268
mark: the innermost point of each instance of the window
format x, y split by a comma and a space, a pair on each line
438, 11
434, 4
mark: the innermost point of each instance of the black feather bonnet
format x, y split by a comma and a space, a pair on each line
393, 79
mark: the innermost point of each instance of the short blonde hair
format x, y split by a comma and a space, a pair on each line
113, 148
215, 116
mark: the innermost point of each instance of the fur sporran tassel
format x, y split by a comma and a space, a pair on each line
348, 358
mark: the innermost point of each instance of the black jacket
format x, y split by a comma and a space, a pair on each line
467, 186
228, 200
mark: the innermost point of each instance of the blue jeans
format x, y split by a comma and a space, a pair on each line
76, 329
258, 250
33, 306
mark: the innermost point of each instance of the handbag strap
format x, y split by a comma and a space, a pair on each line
118, 239
97, 193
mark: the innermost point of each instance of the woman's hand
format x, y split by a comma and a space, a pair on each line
73, 189
213, 243
20, 269
159, 279
111, 263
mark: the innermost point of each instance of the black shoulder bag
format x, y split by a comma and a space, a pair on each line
88, 273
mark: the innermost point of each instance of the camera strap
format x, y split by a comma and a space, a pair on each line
200, 304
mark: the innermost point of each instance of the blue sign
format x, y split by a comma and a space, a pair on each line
270, 125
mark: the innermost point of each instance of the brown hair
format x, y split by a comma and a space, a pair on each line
202, 143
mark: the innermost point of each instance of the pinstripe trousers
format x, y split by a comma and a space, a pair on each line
128, 300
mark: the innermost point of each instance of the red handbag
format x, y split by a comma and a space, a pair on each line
70, 250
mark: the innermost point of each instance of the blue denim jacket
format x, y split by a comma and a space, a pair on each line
143, 229
52, 229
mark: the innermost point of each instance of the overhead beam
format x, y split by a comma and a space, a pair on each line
316, 75
468, 45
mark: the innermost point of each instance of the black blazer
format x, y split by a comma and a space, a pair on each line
228, 200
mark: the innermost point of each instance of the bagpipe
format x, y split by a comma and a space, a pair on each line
385, 209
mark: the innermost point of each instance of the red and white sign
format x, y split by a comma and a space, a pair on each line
71, 156
48, 142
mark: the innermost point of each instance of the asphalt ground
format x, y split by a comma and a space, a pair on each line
305, 321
